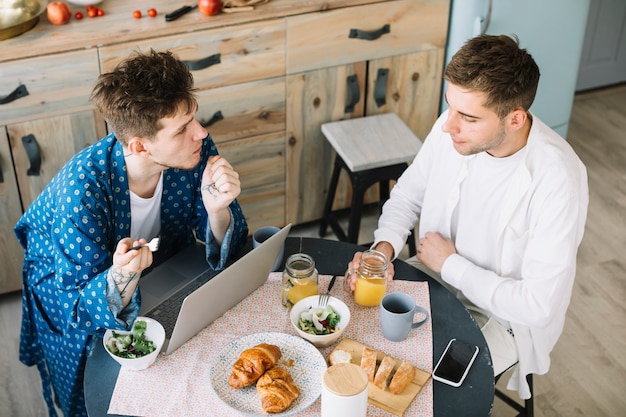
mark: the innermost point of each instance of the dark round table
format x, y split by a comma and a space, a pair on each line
449, 320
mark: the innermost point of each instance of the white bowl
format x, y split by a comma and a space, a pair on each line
313, 301
154, 332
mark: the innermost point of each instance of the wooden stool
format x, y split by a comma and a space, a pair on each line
372, 149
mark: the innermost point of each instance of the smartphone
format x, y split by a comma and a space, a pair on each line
454, 364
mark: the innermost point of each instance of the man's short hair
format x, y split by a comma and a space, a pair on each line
498, 67
142, 90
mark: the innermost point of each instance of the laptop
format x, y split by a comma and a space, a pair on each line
185, 295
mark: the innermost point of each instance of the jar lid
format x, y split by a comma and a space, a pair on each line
345, 379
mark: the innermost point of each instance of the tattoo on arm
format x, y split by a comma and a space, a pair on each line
121, 278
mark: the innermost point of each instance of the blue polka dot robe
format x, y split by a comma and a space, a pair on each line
69, 234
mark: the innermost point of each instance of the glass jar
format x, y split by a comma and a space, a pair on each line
371, 278
299, 279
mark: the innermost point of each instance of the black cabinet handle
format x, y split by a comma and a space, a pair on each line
1, 176
33, 153
380, 87
354, 94
369, 36
217, 116
20, 91
203, 63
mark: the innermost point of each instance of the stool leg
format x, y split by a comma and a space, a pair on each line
356, 211
330, 197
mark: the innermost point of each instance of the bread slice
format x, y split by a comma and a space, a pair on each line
339, 356
383, 375
368, 362
402, 378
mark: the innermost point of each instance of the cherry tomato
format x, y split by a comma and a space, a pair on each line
100, 12
78, 15
92, 13
90, 6
152, 12
137, 14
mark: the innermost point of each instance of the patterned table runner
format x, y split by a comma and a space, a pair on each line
179, 384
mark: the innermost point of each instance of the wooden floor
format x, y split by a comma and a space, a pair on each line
588, 373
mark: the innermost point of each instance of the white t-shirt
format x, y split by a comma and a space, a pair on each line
481, 195
145, 221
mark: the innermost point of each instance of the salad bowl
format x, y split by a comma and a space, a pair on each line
154, 336
328, 324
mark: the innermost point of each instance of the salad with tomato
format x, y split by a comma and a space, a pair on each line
319, 321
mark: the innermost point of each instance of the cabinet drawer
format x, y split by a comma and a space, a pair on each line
55, 84
243, 110
323, 39
231, 55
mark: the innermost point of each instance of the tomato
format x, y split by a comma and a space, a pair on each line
137, 14
93, 12
152, 12
100, 12
210, 7
58, 12
78, 15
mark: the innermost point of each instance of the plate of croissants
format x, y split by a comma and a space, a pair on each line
268, 374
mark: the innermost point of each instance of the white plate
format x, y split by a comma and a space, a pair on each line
307, 372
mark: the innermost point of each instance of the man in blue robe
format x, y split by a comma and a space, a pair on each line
157, 174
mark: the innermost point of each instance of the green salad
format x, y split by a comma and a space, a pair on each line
133, 345
319, 321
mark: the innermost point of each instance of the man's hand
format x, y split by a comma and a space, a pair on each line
220, 184
434, 249
128, 265
353, 266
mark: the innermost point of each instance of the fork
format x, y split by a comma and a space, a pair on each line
323, 298
153, 245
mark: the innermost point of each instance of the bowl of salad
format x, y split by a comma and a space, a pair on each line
138, 348
321, 326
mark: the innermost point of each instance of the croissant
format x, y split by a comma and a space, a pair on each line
277, 390
252, 363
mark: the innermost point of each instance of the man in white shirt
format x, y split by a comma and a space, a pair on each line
501, 201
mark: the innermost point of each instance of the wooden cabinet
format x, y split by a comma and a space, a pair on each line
40, 131
371, 59
10, 211
267, 79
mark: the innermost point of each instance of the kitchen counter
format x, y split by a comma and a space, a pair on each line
118, 24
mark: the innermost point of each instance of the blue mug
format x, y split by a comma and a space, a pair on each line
397, 311
261, 235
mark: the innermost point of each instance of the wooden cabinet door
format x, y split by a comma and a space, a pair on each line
313, 98
411, 88
11, 254
55, 141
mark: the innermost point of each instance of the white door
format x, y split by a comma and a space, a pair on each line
603, 60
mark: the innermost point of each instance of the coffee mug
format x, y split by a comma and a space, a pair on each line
261, 235
397, 310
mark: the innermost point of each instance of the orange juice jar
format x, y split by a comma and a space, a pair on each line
371, 278
299, 279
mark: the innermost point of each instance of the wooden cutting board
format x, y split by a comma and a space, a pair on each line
394, 403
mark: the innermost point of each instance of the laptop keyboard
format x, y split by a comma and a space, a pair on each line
166, 313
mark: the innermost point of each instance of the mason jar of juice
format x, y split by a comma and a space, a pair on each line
371, 279
299, 279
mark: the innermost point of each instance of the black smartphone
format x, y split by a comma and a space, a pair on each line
454, 364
